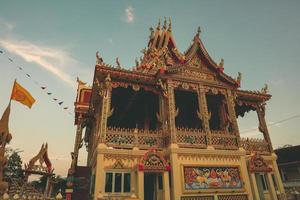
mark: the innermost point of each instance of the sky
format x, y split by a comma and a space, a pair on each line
56, 41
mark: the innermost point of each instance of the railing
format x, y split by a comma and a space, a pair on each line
222, 140
191, 138
129, 138
255, 144
186, 138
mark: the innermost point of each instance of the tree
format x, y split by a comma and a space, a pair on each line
13, 168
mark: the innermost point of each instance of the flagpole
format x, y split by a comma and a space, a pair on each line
12, 90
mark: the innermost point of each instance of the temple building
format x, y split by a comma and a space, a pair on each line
167, 129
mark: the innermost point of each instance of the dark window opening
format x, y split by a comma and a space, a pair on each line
217, 107
108, 182
127, 182
187, 105
160, 182
134, 109
118, 182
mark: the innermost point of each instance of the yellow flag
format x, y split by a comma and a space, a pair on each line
21, 95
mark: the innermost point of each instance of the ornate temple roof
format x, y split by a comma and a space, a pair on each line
162, 60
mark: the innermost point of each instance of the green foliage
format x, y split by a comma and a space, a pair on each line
13, 168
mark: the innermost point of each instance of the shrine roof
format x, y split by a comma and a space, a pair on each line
258, 96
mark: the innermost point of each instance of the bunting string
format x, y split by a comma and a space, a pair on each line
44, 88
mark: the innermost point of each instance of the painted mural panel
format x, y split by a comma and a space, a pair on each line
201, 178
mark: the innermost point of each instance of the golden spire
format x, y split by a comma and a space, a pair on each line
158, 25
165, 24
198, 31
151, 32
170, 24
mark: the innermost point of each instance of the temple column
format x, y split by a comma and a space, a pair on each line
176, 173
253, 180
166, 185
203, 115
272, 188
104, 113
246, 178
140, 184
232, 115
171, 113
263, 125
100, 173
277, 175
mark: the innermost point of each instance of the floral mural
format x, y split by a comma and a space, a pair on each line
197, 178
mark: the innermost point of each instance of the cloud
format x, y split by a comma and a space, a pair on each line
51, 59
129, 14
5, 25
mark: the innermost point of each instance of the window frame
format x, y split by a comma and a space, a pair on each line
114, 172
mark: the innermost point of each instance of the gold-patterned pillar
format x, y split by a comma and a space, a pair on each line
272, 188
140, 184
277, 175
105, 110
263, 125
255, 189
171, 107
204, 112
232, 115
100, 173
166, 185
176, 173
245, 175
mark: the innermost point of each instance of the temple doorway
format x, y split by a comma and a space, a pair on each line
262, 186
153, 186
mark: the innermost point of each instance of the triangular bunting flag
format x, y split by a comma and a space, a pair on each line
60, 102
43, 88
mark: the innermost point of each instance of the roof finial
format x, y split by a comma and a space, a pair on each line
265, 89
170, 24
198, 31
151, 32
165, 24
118, 62
158, 25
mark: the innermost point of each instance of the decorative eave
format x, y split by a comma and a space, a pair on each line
255, 96
196, 47
124, 74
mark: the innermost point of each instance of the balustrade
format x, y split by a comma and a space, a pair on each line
255, 144
223, 140
128, 138
191, 138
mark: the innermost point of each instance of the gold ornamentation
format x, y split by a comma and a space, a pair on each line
99, 60
265, 89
